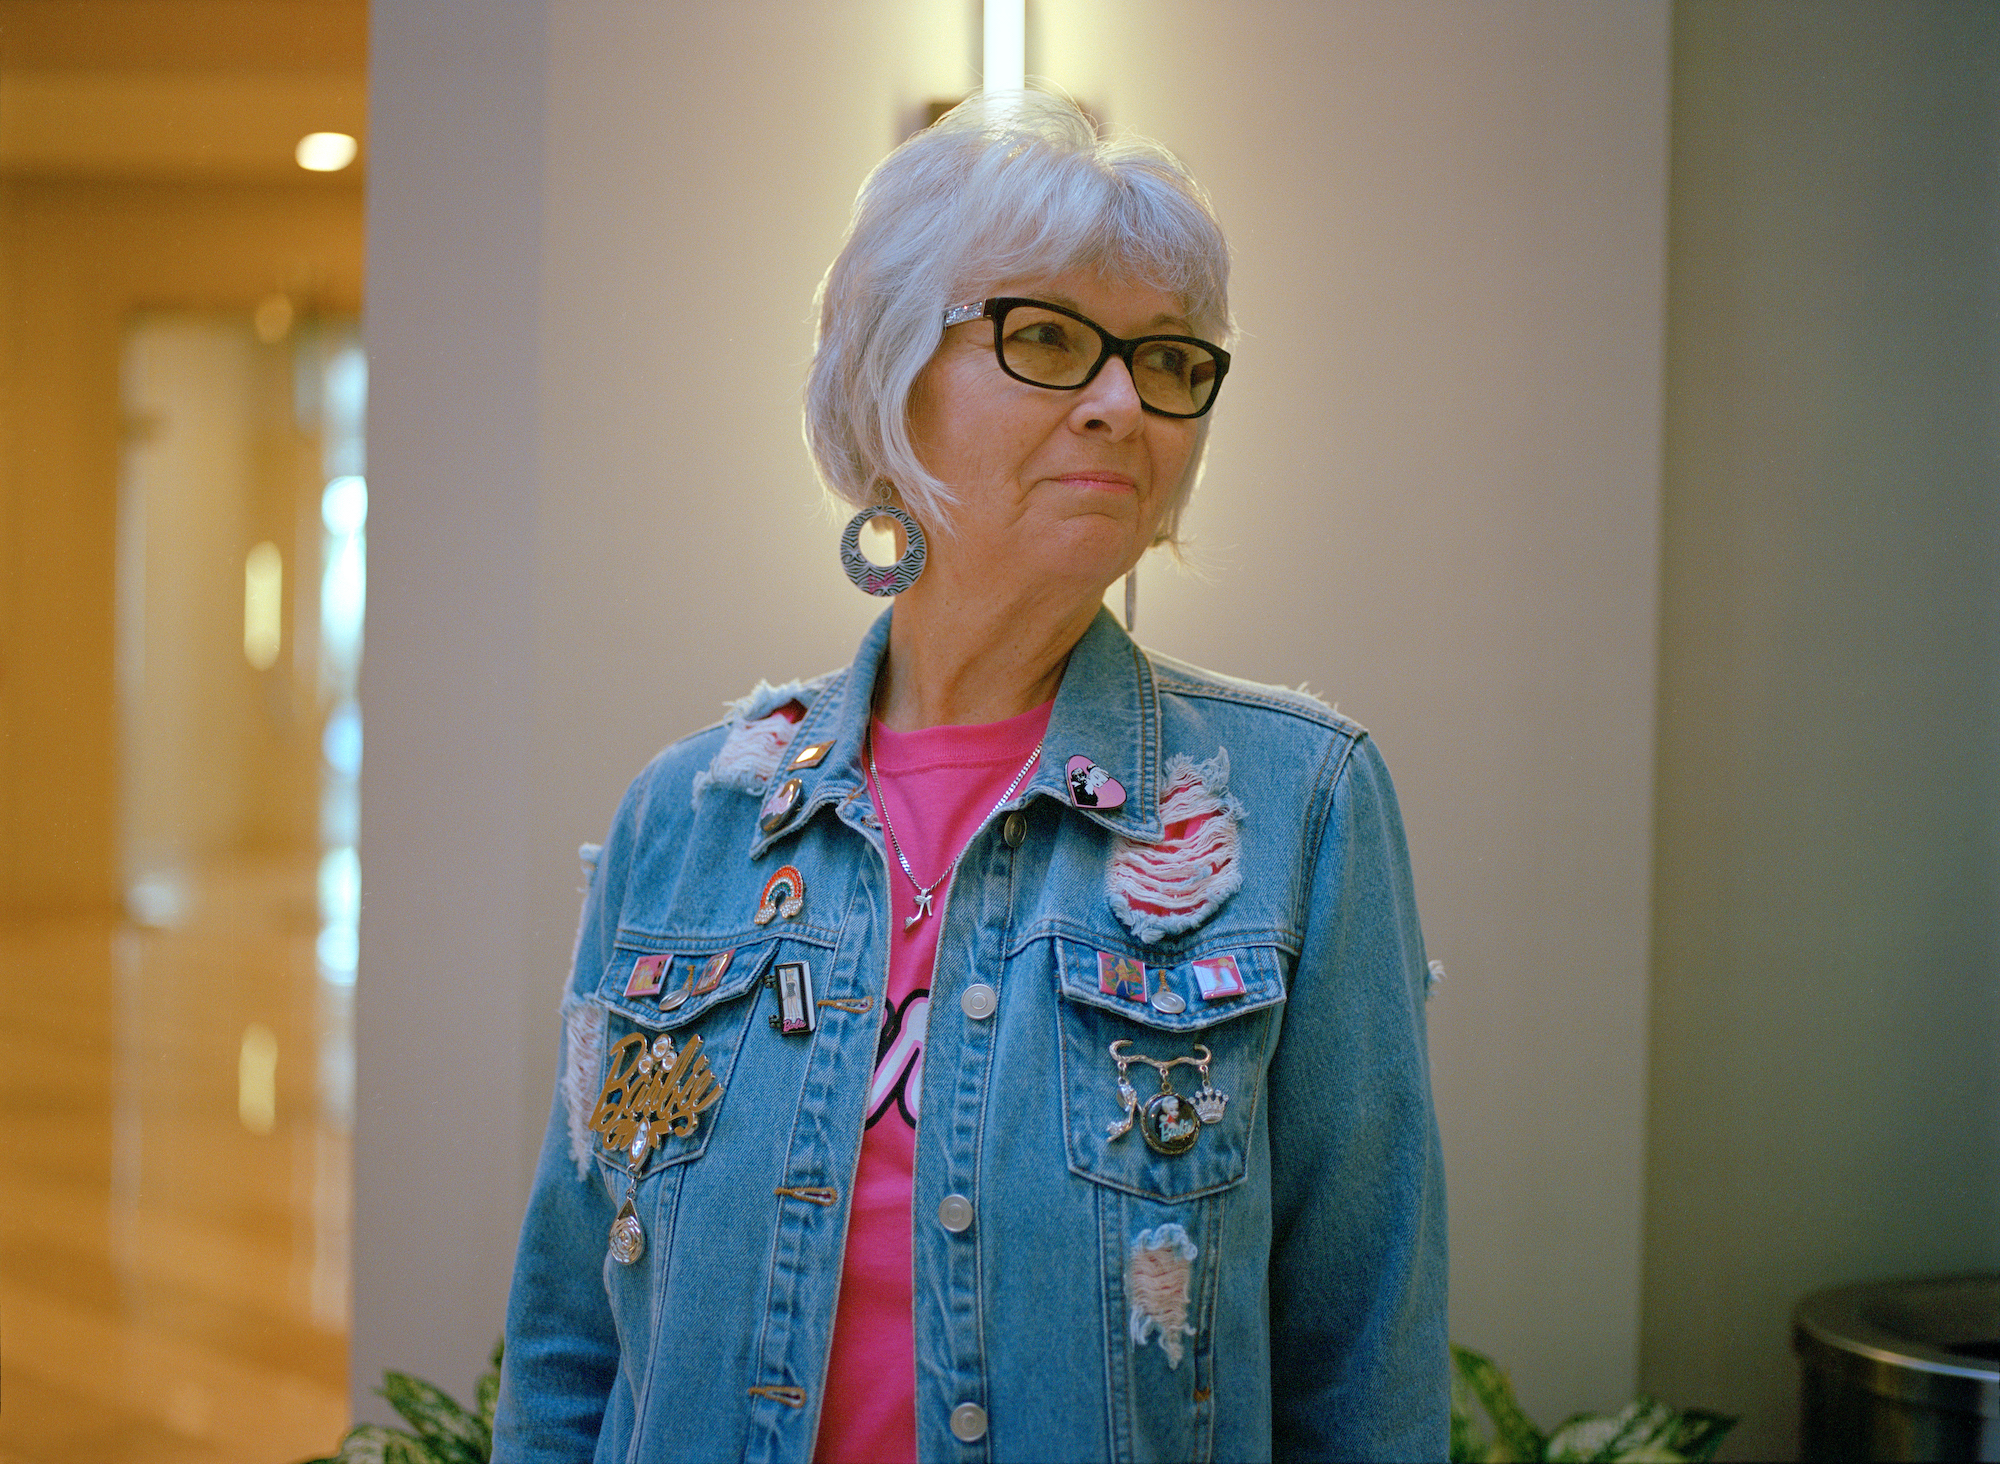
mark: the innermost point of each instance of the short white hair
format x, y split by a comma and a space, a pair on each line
1001, 187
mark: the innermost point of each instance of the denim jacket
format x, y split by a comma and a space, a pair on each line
1236, 1253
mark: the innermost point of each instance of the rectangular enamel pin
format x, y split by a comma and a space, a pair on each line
1121, 976
712, 971
795, 997
1218, 978
649, 974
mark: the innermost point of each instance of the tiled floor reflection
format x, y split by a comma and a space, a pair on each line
174, 1186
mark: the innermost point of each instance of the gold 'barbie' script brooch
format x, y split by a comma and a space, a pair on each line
651, 1091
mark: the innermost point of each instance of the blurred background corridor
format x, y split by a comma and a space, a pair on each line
183, 493
1612, 432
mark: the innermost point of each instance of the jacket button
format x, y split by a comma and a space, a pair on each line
1014, 830
955, 1213
979, 1001
968, 1423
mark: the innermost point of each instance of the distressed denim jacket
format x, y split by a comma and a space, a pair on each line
1237, 1252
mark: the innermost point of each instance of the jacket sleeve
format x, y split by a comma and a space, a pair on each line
1360, 1363
561, 1358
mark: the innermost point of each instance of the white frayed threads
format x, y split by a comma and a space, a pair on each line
758, 735
583, 1052
1158, 1277
1432, 976
587, 855
748, 755
1161, 889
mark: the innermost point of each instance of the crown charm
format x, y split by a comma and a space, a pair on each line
1208, 1104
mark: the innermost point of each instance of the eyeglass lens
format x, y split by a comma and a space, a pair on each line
1047, 348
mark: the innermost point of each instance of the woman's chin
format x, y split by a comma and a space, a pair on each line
1096, 546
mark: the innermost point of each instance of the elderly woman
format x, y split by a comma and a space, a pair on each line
1010, 1046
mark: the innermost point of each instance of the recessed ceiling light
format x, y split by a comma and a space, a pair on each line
326, 152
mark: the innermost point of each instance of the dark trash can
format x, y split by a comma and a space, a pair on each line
1900, 1370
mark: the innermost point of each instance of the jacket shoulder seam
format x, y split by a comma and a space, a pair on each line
1182, 679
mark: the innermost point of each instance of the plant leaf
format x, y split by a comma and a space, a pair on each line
1468, 1445
486, 1395
1468, 1438
1587, 1436
1698, 1433
1518, 1436
448, 1432
371, 1443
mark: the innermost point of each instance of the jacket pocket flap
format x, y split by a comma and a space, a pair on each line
1194, 993
667, 982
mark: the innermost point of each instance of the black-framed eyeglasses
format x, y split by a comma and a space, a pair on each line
1048, 345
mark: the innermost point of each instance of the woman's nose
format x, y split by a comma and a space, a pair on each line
1110, 400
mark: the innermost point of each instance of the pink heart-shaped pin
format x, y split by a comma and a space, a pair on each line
1091, 787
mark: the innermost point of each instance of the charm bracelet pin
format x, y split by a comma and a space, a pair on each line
1161, 1123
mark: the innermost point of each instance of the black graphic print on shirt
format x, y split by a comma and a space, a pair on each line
899, 1060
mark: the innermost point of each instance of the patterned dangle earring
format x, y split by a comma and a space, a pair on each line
883, 579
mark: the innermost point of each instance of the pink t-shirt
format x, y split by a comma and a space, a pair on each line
939, 784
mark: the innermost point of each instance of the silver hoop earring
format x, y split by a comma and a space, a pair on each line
882, 579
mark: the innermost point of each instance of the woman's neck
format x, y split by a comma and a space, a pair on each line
959, 659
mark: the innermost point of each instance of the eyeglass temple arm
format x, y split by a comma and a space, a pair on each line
959, 314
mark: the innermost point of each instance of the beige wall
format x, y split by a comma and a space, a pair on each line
1433, 496
1826, 979
595, 233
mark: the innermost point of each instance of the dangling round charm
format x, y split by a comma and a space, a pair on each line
628, 1236
883, 579
1168, 1124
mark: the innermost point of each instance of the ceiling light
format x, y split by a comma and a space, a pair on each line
326, 152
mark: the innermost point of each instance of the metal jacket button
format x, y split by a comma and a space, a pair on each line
955, 1213
1014, 830
979, 1001
968, 1423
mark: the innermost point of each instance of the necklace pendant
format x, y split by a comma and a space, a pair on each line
923, 909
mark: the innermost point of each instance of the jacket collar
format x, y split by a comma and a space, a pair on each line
1107, 709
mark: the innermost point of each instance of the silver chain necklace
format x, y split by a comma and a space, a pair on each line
882, 807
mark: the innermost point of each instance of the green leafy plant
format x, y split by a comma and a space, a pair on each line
447, 1432
1643, 1432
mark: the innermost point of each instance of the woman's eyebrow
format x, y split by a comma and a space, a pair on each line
1155, 323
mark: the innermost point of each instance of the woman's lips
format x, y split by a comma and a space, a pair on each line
1108, 482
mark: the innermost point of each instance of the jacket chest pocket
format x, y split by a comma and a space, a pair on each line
1163, 1065
677, 1009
